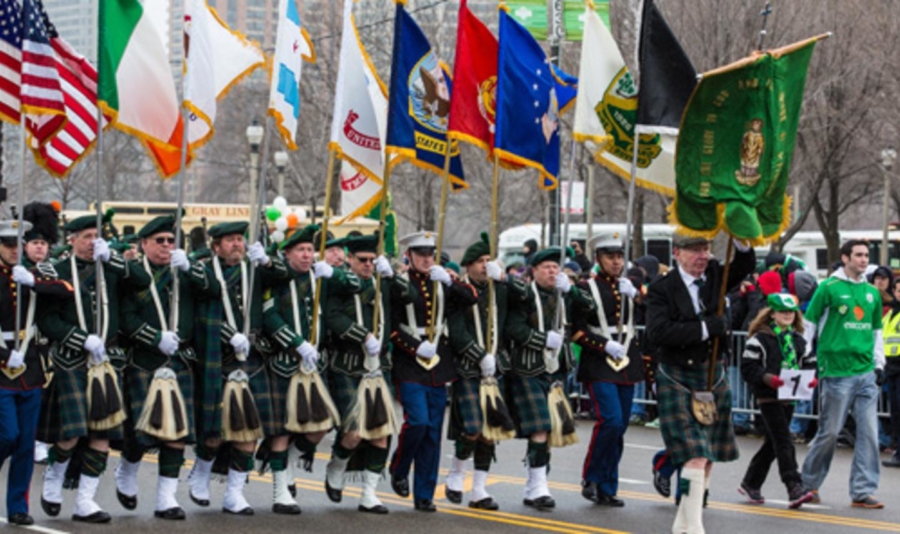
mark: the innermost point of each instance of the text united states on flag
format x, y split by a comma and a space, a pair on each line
10, 61
41, 92
78, 80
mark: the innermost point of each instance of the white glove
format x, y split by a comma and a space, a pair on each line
257, 254
426, 350
22, 276
240, 343
627, 288
383, 267
309, 354
101, 250
494, 271
554, 340
562, 282
95, 346
439, 274
488, 365
615, 350
168, 343
16, 359
179, 260
323, 270
373, 345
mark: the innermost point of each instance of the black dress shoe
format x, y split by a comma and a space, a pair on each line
50, 508
245, 511
488, 503
378, 509
97, 517
426, 505
541, 503
609, 500
400, 486
127, 501
292, 489
199, 502
589, 490
21, 518
286, 509
453, 496
334, 495
175, 513
662, 484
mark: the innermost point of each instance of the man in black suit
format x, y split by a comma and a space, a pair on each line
683, 323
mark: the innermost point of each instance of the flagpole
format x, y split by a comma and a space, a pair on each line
495, 209
631, 192
323, 233
589, 209
20, 230
382, 221
445, 192
186, 121
98, 265
254, 222
565, 237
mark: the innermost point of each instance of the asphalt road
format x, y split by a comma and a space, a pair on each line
645, 510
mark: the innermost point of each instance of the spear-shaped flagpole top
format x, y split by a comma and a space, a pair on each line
765, 17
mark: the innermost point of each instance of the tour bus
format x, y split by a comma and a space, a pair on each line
130, 217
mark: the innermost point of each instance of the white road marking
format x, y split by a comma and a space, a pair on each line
37, 528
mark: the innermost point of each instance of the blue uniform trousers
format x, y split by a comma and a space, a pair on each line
612, 409
19, 410
420, 437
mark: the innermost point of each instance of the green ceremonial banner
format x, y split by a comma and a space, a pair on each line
573, 17
734, 151
533, 15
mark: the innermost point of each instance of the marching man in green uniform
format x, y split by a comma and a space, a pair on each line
354, 353
231, 359
157, 346
80, 343
537, 338
611, 365
21, 368
476, 358
421, 385
288, 310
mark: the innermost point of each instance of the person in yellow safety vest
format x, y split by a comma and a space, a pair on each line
891, 334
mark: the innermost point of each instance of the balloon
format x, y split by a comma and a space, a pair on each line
292, 220
273, 213
277, 236
280, 203
301, 214
281, 224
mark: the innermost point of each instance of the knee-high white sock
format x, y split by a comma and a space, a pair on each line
689, 519
457, 474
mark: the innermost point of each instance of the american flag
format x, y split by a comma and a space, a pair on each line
10, 61
41, 91
78, 80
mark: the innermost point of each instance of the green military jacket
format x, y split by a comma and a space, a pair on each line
58, 319
343, 312
281, 325
468, 346
528, 337
141, 318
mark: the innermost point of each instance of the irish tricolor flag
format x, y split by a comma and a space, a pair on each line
136, 86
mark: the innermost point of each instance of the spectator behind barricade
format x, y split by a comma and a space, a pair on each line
583, 262
883, 278
746, 301
651, 266
530, 247
573, 271
802, 284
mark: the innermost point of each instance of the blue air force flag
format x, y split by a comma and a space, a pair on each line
292, 46
419, 103
527, 103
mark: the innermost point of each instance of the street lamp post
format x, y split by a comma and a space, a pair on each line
281, 161
254, 139
888, 155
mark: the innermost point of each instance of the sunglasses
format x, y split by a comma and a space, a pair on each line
164, 240
365, 260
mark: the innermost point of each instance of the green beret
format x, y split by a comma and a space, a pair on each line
782, 302
86, 221
453, 266
301, 235
548, 254
480, 248
228, 228
163, 223
362, 243
338, 242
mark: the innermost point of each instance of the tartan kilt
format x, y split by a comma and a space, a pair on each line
527, 400
465, 408
278, 390
64, 409
137, 386
209, 418
685, 438
343, 389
